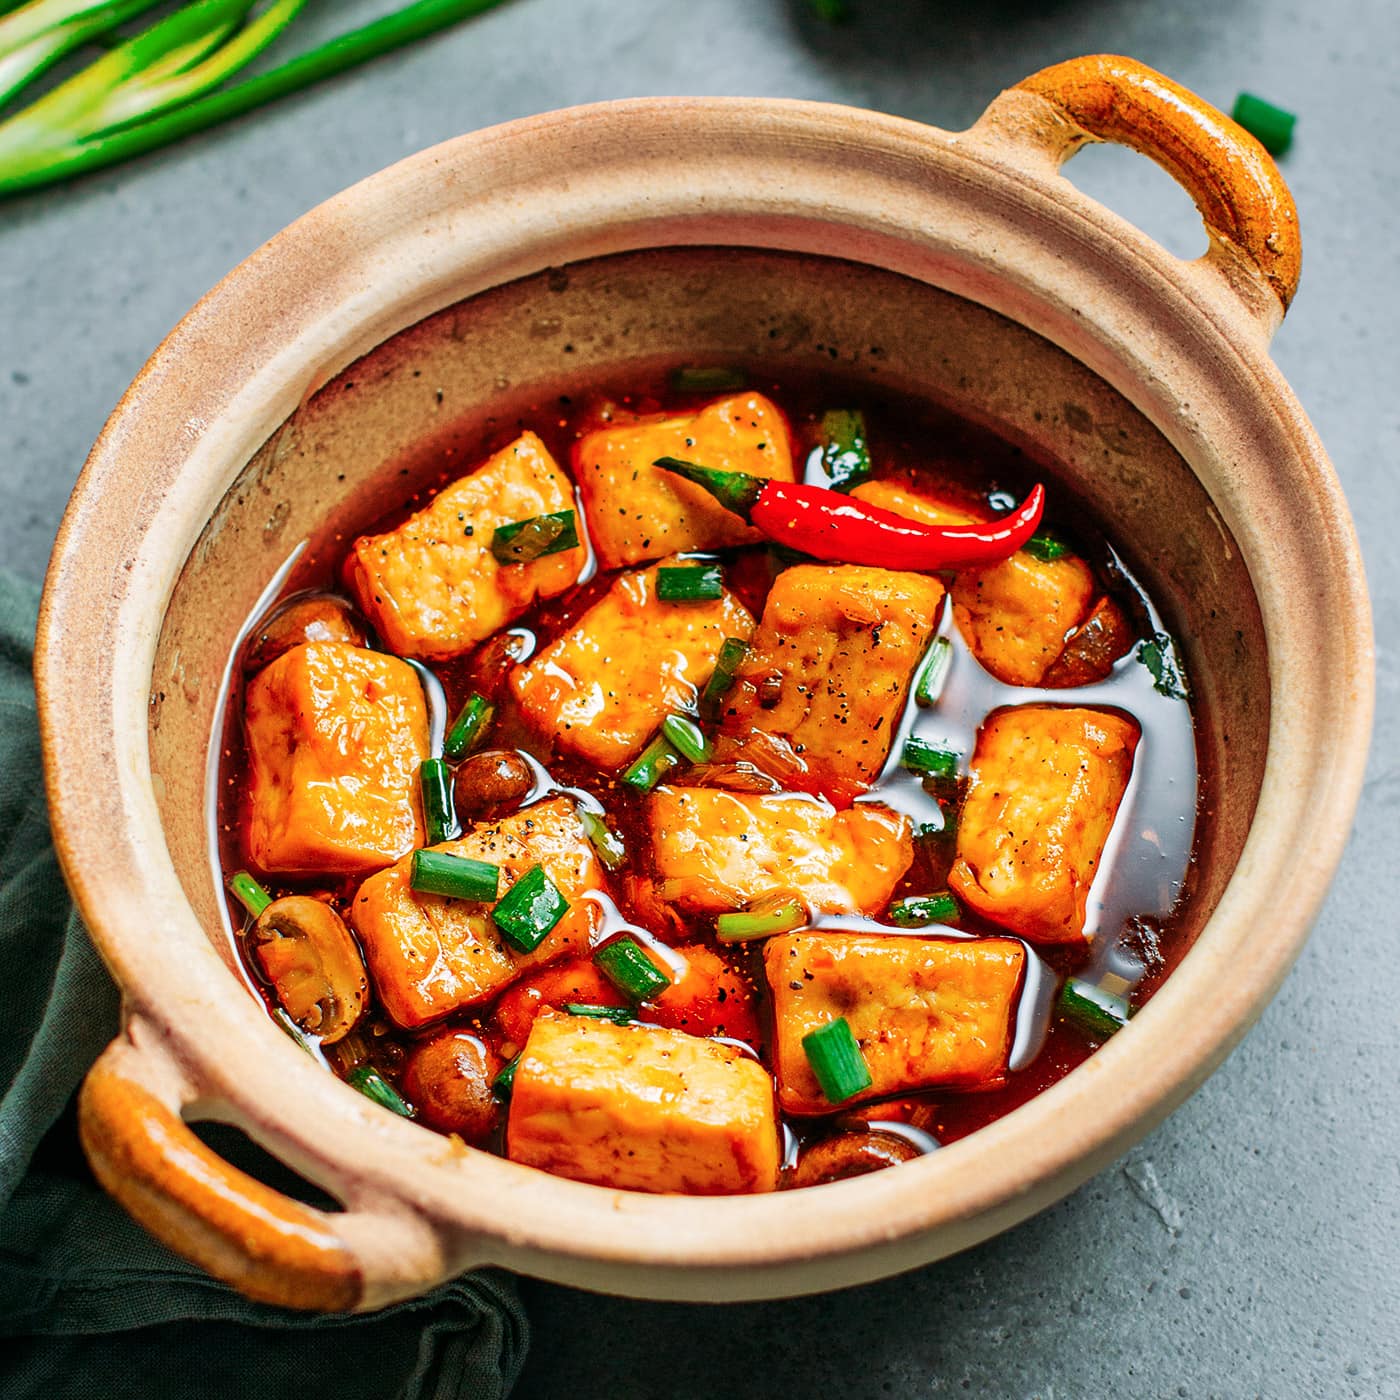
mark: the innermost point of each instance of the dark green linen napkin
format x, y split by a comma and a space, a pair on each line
90, 1305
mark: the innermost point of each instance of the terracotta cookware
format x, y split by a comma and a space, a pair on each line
467, 281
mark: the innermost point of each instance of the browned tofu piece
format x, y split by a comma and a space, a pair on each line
430, 956
602, 689
433, 588
926, 1012
713, 851
1014, 615
818, 697
637, 512
336, 735
1045, 786
641, 1108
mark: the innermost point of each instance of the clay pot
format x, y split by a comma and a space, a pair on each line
472, 279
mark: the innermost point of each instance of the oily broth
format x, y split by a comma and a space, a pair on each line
1137, 900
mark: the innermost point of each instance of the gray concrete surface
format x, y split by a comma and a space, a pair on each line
1250, 1246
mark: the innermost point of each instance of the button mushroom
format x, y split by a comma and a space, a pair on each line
319, 617
307, 953
448, 1080
849, 1154
491, 783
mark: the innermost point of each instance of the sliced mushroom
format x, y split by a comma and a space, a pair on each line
307, 953
448, 1080
1092, 648
850, 1154
490, 783
320, 617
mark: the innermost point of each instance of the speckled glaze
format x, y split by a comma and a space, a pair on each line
463, 281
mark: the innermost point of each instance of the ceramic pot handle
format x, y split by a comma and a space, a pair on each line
1236, 186
266, 1245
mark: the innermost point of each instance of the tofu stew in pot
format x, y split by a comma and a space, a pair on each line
711, 785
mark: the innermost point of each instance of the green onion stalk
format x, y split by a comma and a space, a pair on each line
168, 80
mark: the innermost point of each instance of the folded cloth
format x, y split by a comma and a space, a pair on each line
90, 1305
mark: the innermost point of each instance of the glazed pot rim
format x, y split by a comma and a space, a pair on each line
886, 191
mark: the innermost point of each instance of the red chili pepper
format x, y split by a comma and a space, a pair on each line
833, 527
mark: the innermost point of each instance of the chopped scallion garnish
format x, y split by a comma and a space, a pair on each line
457, 877
504, 1082
1045, 547
1271, 126
605, 841
618, 1015
524, 541
249, 893
529, 910
706, 379
471, 724
917, 910
727, 663
625, 963
776, 914
1159, 656
686, 737
652, 764
836, 1060
1093, 1009
934, 672
922, 757
374, 1086
845, 455
690, 583
439, 811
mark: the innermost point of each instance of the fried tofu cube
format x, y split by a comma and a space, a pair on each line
1045, 786
336, 735
713, 851
817, 699
1014, 615
430, 956
637, 511
432, 587
641, 1108
602, 689
926, 1012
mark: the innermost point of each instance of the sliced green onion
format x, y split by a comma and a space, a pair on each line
933, 674
624, 962
776, 914
504, 1082
928, 759
652, 764
439, 810
1271, 126
1159, 656
471, 724
374, 1086
919, 909
927, 831
845, 455
687, 737
249, 893
731, 655
605, 841
706, 379
836, 1060
618, 1015
529, 909
523, 541
457, 877
1093, 1009
690, 583
1046, 548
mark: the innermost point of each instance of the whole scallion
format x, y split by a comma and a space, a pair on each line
167, 81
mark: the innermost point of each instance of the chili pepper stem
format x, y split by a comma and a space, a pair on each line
735, 491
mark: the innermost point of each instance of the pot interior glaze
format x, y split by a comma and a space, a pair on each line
340, 460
